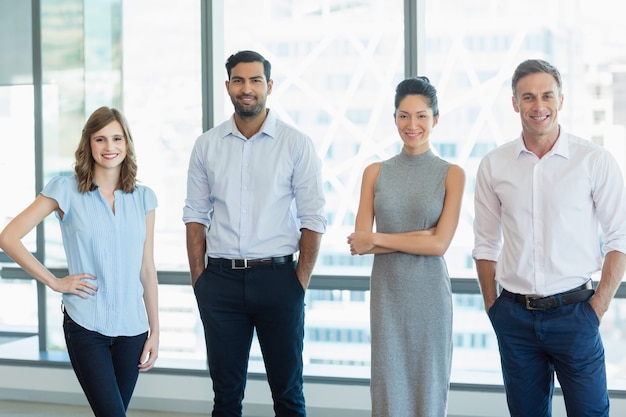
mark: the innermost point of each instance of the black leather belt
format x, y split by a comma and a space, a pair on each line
534, 302
249, 263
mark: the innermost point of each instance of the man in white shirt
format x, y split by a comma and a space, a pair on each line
254, 198
539, 203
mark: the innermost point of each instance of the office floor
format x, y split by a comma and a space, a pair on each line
26, 409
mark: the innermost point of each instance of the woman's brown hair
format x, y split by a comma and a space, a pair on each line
84, 167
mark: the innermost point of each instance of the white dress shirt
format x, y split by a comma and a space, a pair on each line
254, 194
539, 218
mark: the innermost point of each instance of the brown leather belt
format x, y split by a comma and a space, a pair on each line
249, 263
534, 302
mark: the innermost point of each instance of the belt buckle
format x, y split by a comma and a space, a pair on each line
528, 299
233, 264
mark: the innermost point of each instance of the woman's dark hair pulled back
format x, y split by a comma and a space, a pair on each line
417, 86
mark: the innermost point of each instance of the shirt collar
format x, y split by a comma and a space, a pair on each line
561, 146
268, 128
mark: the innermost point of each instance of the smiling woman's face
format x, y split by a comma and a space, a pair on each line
415, 120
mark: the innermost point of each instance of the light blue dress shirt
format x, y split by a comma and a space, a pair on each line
254, 194
108, 246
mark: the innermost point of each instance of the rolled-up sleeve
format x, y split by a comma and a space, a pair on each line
198, 202
609, 196
308, 188
487, 216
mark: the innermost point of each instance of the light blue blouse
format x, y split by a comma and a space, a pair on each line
108, 246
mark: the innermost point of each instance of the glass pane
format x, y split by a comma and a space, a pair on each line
476, 359
18, 306
18, 318
162, 103
335, 65
18, 298
17, 125
333, 346
472, 49
16, 113
83, 52
81, 70
162, 79
471, 65
336, 84
16, 63
182, 335
63, 89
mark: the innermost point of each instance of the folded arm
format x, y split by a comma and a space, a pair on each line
433, 242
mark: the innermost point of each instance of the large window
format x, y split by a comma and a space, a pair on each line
471, 51
337, 85
17, 164
162, 78
80, 71
335, 66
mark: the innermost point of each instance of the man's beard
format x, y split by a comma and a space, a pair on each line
248, 111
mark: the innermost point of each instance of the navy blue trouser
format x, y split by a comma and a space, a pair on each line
232, 304
534, 344
106, 367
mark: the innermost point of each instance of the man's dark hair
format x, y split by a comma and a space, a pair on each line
248, 56
533, 66
417, 86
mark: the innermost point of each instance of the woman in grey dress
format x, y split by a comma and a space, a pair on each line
414, 199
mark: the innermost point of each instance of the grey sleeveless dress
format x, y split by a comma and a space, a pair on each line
411, 298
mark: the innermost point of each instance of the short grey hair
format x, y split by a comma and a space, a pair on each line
533, 66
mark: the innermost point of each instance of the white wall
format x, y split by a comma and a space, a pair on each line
186, 393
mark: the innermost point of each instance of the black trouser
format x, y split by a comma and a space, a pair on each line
232, 304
